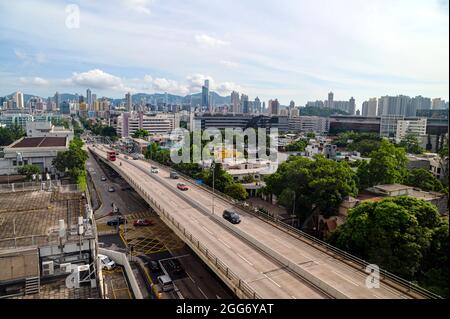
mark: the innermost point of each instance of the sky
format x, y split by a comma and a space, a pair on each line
287, 49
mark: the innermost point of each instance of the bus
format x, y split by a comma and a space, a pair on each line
111, 155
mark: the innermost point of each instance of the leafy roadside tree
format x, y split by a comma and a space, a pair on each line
72, 160
247, 179
237, 191
320, 183
221, 178
310, 135
419, 177
28, 170
10, 134
443, 160
403, 235
411, 144
387, 166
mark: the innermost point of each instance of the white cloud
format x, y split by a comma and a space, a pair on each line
208, 41
229, 64
170, 86
38, 58
98, 79
140, 6
37, 81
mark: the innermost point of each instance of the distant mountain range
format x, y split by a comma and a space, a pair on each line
193, 99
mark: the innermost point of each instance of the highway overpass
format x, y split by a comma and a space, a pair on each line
256, 258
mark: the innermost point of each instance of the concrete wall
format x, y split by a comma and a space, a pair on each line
121, 259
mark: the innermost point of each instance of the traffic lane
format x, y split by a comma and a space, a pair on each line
318, 263
243, 269
198, 275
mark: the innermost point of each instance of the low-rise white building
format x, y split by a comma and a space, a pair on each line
416, 127
47, 129
128, 123
38, 151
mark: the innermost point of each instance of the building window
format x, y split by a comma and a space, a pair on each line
14, 163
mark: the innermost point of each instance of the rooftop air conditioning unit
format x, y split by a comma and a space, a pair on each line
66, 267
48, 268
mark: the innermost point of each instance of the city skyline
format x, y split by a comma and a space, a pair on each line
299, 59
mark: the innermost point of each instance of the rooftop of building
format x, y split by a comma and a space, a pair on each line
31, 217
33, 142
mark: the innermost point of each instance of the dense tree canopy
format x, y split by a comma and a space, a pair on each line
10, 134
387, 166
297, 146
140, 133
411, 144
423, 179
318, 183
73, 160
365, 143
400, 234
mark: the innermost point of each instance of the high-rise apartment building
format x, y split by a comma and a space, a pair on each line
128, 102
89, 97
18, 98
369, 108
274, 107
257, 105
205, 96
57, 102
438, 104
235, 103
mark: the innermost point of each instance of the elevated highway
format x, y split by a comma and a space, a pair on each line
255, 258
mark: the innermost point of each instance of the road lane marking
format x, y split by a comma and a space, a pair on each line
245, 260
272, 280
208, 230
224, 243
189, 276
202, 292
344, 277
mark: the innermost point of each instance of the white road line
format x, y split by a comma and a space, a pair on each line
272, 280
245, 260
208, 230
190, 277
293, 297
202, 292
377, 296
346, 278
224, 243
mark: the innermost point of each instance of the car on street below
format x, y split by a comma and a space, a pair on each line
154, 266
111, 189
231, 216
182, 187
103, 178
143, 222
116, 221
174, 175
106, 263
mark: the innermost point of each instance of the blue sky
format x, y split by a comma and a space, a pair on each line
287, 49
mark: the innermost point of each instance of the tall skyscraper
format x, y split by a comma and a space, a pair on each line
205, 96
244, 104
57, 103
257, 105
89, 97
274, 107
351, 106
438, 104
18, 98
235, 102
330, 102
128, 102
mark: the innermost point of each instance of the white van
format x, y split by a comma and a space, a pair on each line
106, 263
165, 283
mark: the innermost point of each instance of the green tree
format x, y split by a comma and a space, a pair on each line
421, 178
221, 178
393, 233
310, 135
73, 160
29, 170
140, 133
237, 191
411, 144
318, 183
387, 166
297, 146
247, 179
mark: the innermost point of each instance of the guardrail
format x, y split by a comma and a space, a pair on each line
220, 265
401, 284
